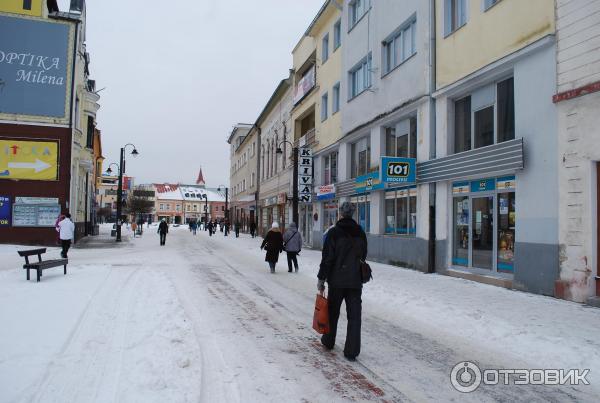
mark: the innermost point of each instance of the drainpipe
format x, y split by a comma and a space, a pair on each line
432, 133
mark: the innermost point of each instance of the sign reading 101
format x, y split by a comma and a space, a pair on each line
398, 170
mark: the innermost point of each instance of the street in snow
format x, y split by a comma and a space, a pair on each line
202, 319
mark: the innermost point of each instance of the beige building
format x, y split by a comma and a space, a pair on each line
243, 178
274, 124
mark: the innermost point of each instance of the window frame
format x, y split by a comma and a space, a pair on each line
396, 195
335, 98
324, 107
488, 4
337, 34
353, 17
325, 48
390, 60
450, 13
364, 66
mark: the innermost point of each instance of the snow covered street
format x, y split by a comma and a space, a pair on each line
201, 319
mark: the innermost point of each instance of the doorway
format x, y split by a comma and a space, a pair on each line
482, 232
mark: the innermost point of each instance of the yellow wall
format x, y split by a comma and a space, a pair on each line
300, 55
328, 74
16, 7
488, 36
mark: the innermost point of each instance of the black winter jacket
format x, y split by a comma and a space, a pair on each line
163, 227
345, 246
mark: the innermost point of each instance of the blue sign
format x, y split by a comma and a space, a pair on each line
398, 170
368, 182
483, 185
35, 69
4, 211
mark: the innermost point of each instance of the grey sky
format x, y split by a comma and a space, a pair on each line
178, 75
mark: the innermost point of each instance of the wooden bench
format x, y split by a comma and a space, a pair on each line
41, 265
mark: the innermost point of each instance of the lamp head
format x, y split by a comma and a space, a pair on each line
135, 153
109, 171
279, 150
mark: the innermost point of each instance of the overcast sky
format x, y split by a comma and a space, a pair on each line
179, 74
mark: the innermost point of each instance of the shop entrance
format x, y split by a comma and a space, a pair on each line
483, 216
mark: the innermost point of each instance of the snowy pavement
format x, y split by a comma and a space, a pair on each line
201, 319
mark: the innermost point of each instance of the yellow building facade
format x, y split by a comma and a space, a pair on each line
487, 31
33, 8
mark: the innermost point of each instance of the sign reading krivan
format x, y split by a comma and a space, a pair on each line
29, 160
305, 175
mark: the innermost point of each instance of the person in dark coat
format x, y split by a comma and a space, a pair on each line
209, 226
237, 229
163, 230
345, 247
293, 245
273, 243
252, 229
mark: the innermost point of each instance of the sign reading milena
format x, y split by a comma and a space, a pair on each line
35, 74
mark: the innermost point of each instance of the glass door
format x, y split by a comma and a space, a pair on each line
482, 232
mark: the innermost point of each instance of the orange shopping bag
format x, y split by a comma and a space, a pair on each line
321, 316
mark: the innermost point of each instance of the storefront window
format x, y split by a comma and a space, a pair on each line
460, 256
362, 213
506, 232
401, 212
330, 214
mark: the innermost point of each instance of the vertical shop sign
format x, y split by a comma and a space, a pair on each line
305, 175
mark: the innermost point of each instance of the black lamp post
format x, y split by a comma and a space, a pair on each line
205, 196
134, 153
226, 199
294, 179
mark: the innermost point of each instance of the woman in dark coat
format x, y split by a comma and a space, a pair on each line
273, 243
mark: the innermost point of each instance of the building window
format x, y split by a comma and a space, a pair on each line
252, 180
325, 48
337, 35
400, 46
401, 211
178, 207
487, 4
330, 168
77, 117
222, 208
486, 117
162, 207
455, 15
335, 102
26, 4
359, 78
168, 206
324, 102
90, 132
361, 157
357, 9
401, 139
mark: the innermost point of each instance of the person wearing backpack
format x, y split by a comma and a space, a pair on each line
292, 244
345, 247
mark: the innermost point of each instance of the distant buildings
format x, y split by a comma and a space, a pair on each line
463, 131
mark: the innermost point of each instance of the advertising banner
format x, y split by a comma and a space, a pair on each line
35, 69
29, 160
398, 170
305, 175
4, 211
368, 182
304, 86
326, 192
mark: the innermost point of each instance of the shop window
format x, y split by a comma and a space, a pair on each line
362, 212
506, 232
401, 212
361, 157
330, 214
460, 254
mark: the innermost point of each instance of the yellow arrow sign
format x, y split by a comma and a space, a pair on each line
28, 160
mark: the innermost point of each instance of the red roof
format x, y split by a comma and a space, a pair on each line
165, 187
200, 180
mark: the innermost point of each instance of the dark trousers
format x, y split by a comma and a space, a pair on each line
66, 244
163, 238
292, 257
352, 296
252, 233
237, 232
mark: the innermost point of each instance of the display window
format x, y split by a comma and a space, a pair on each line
362, 212
401, 211
483, 221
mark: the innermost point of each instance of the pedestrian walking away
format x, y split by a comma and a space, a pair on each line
66, 233
194, 227
134, 228
237, 229
273, 244
292, 244
252, 229
345, 247
163, 230
58, 220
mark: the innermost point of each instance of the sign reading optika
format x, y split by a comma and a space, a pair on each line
29, 160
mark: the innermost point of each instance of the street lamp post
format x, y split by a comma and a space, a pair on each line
295, 151
109, 172
226, 199
205, 196
134, 153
